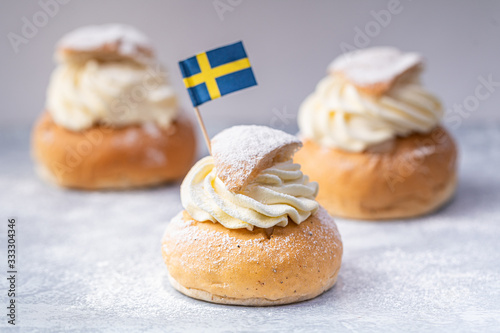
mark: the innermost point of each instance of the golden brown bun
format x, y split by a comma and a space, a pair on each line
104, 158
412, 176
262, 267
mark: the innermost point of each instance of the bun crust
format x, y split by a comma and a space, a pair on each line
262, 267
108, 52
112, 158
407, 177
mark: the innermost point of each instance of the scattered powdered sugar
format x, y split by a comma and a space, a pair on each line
92, 37
151, 129
272, 253
374, 65
155, 156
91, 261
239, 150
131, 137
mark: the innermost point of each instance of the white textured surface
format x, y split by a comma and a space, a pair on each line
92, 262
374, 65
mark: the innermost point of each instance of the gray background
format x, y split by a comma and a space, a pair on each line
290, 44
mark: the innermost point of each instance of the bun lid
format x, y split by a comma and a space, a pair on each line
241, 152
105, 42
375, 70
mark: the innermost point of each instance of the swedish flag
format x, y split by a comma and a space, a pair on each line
216, 73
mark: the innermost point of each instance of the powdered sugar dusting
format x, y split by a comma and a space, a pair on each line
91, 261
312, 249
92, 37
239, 150
155, 156
374, 65
223, 243
131, 137
151, 129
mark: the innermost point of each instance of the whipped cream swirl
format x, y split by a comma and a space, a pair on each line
338, 115
120, 93
275, 195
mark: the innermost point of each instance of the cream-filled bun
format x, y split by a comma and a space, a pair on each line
373, 140
251, 232
112, 119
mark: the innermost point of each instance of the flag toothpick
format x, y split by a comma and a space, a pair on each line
203, 129
215, 73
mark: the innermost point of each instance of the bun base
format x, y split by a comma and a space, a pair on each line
256, 301
104, 157
405, 178
209, 262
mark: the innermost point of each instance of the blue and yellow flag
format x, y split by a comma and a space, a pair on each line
215, 73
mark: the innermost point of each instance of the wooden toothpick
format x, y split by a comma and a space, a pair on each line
203, 129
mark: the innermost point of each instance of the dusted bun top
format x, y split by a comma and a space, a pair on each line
242, 152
